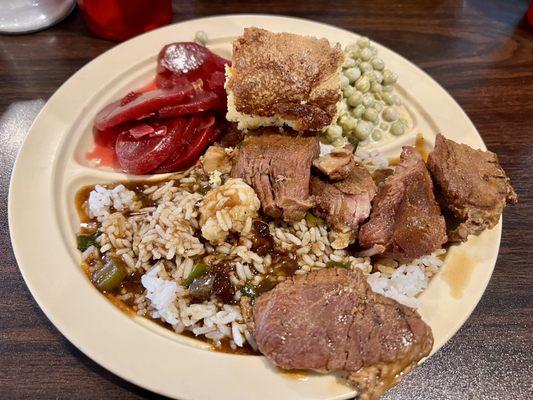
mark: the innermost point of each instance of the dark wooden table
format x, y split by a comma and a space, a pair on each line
480, 51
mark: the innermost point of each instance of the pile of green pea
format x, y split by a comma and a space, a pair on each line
369, 108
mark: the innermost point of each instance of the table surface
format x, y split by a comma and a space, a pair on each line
480, 51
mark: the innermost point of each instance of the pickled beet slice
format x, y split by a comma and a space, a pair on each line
198, 135
135, 106
142, 155
186, 59
202, 101
106, 138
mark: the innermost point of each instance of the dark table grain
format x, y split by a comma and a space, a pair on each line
480, 51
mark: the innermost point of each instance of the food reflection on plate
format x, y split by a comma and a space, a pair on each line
277, 231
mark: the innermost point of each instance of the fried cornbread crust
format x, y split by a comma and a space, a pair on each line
283, 78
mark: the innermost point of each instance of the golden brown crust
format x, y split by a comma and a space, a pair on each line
282, 74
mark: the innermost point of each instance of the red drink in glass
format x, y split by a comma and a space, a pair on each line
121, 19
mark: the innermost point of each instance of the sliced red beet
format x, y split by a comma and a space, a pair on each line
135, 106
186, 59
198, 135
202, 101
142, 155
141, 130
108, 137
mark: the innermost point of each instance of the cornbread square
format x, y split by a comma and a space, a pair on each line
280, 79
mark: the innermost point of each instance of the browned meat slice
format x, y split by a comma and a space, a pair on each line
336, 165
278, 167
472, 187
345, 203
406, 221
330, 320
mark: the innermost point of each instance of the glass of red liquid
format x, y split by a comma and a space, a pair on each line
119, 20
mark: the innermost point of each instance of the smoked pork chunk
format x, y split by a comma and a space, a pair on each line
406, 221
471, 185
278, 167
331, 320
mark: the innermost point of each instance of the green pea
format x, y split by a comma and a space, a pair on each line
370, 115
348, 91
363, 129
378, 76
355, 99
349, 62
378, 63
362, 84
368, 100
389, 114
387, 98
344, 81
342, 107
396, 100
201, 38
377, 135
387, 88
363, 42
358, 111
389, 77
110, 276
384, 126
375, 87
351, 46
334, 131
352, 74
378, 105
348, 123
365, 67
339, 142
366, 54
397, 128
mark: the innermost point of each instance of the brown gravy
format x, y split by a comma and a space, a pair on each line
457, 272
295, 374
420, 145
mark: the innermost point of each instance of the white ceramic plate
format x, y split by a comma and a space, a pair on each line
43, 223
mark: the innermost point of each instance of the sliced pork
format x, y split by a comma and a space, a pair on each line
330, 320
472, 186
278, 167
345, 203
336, 165
406, 221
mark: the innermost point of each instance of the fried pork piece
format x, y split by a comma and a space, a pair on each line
331, 320
406, 221
345, 203
278, 167
336, 165
472, 187
283, 79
